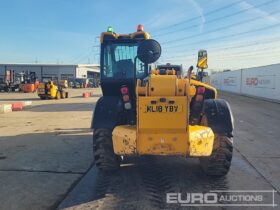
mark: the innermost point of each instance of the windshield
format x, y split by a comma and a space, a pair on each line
118, 61
163, 68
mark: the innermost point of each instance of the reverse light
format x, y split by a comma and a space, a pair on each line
110, 29
140, 28
127, 106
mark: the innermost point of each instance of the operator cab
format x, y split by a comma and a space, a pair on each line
164, 68
119, 59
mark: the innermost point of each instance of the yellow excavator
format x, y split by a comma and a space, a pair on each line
144, 112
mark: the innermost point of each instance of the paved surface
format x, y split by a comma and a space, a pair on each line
142, 183
44, 150
46, 158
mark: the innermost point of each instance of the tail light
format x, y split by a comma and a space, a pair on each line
201, 90
125, 97
124, 90
200, 94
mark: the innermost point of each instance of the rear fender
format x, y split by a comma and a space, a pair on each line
219, 116
106, 112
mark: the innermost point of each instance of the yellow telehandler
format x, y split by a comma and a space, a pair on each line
144, 112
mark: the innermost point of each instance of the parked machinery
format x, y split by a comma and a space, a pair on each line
8, 81
29, 83
48, 90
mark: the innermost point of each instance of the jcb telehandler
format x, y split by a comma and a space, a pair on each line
145, 113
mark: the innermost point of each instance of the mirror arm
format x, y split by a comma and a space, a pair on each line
201, 76
190, 72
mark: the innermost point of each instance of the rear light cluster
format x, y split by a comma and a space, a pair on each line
125, 97
200, 94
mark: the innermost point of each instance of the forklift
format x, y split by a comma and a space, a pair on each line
51, 90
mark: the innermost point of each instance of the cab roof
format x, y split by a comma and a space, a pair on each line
112, 36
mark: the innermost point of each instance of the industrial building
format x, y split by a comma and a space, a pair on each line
54, 71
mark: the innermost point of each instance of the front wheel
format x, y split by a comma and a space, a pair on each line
104, 157
219, 162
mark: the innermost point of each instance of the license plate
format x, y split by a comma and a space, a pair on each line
41, 90
163, 108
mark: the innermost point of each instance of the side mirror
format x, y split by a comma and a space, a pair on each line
149, 51
202, 59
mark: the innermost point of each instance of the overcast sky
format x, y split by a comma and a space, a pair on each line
237, 34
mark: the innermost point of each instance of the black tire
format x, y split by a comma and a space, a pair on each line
218, 164
104, 157
58, 95
63, 94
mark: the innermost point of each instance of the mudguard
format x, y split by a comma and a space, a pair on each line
106, 112
219, 116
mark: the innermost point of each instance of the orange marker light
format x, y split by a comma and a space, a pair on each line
125, 98
140, 28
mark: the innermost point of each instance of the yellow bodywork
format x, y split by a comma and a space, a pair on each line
202, 63
199, 143
198, 83
51, 90
162, 126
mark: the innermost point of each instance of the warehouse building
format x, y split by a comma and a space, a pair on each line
54, 71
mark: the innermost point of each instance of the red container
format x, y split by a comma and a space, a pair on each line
85, 95
28, 88
17, 106
36, 85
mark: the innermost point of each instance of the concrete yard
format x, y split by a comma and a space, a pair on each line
44, 150
46, 159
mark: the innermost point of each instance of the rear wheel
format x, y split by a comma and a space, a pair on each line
58, 95
218, 163
103, 152
63, 94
